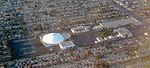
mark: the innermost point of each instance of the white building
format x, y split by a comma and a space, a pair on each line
80, 29
53, 38
99, 39
66, 45
97, 28
123, 32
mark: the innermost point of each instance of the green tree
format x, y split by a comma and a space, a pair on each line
87, 54
106, 32
5, 32
106, 65
98, 66
97, 58
0, 57
5, 42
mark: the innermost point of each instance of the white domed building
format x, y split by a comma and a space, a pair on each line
54, 39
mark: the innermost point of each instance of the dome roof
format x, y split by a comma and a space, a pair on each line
53, 38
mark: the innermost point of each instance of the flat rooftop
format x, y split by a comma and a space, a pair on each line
67, 43
117, 23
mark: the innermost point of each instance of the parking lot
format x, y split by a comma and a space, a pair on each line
26, 47
84, 39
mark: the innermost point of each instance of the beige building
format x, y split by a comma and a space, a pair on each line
118, 23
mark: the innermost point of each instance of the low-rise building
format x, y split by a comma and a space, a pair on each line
97, 28
123, 32
118, 23
80, 29
66, 45
99, 39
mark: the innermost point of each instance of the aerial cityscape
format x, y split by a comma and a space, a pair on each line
74, 33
